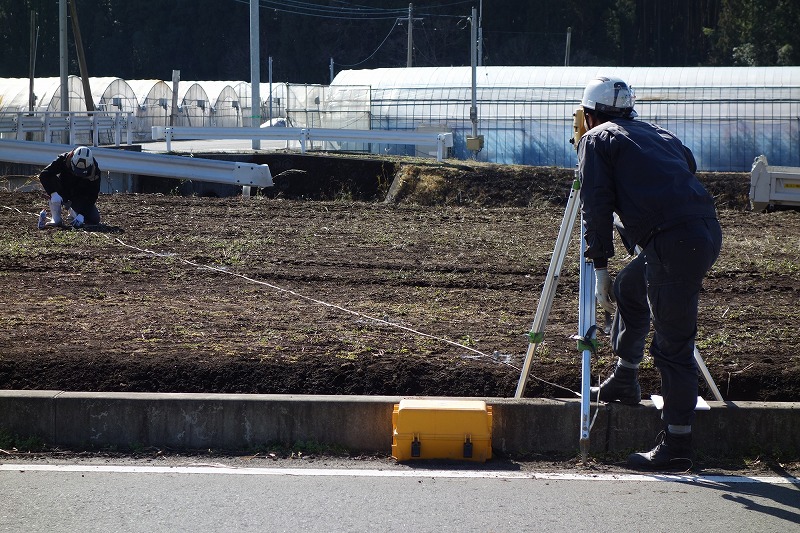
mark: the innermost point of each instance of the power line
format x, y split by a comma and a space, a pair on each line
354, 12
374, 52
286, 7
359, 9
341, 13
298, 7
525, 32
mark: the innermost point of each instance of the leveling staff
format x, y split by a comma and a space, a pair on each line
645, 176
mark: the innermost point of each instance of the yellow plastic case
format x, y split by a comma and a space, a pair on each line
442, 429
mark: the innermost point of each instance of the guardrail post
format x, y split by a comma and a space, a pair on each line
304, 137
439, 147
20, 133
47, 138
95, 132
117, 128
168, 137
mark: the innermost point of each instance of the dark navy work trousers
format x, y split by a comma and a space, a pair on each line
664, 282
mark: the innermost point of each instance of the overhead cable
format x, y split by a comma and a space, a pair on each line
373, 53
298, 7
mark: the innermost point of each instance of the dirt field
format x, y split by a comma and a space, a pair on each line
429, 293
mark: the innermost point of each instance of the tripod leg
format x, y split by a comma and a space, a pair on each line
536, 334
707, 375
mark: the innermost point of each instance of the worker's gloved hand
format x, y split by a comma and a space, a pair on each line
77, 222
603, 290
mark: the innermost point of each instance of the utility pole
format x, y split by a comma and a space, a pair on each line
409, 60
173, 113
269, 74
63, 61
473, 110
255, 73
410, 21
32, 62
76, 31
475, 141
480, 35
566, 53
32, 69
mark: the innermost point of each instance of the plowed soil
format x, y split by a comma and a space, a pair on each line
427, 287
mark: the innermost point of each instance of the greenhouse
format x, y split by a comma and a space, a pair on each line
223, 110
275, 107
15, 95
727, 116
154, 99
193, 105
113, 94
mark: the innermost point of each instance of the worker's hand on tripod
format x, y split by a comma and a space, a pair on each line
603, 291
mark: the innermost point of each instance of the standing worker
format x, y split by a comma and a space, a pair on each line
72, 180
640, 178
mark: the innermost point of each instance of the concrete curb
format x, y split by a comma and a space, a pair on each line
241, 422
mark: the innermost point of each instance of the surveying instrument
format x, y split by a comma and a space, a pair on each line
587, 326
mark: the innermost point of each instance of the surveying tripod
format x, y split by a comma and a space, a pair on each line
587, 325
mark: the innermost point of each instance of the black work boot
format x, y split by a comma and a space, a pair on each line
672, 451
622, 385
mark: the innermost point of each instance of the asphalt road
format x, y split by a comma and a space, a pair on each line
191, 495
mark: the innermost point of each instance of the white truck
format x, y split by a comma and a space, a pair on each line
772, 186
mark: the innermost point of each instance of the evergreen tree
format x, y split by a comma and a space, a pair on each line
209, 39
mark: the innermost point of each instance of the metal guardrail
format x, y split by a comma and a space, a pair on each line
307, 135
86, 122
129, 162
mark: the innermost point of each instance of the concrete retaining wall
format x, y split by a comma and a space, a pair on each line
82, 420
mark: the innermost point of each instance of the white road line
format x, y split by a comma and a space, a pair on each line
475, 474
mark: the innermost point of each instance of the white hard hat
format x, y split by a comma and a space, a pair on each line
82, 161
610, 96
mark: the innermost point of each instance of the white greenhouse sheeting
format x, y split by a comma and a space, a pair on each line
223, 110
726, 115
154, 98
278, 103
577, 77
118, 95
194, 107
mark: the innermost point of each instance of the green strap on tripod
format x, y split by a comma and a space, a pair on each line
587, 341
535, 337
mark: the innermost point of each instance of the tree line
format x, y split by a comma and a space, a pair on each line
209, 39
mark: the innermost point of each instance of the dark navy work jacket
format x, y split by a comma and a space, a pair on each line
645, 175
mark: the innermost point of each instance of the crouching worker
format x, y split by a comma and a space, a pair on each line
72, 181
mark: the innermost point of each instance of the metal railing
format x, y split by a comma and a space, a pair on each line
81, 126
725, 127
305, 136
129, 162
